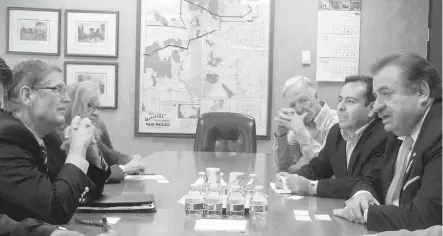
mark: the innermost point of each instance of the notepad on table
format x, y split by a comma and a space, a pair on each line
277, 190
144, 177
220, 225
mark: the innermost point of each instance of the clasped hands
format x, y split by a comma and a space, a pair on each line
288, 119
296, 183
80, 138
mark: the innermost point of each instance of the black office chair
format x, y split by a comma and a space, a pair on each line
225, 132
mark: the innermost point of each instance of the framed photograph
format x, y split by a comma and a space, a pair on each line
33, 31
91, 33
104, 74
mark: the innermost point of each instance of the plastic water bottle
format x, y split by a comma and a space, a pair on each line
223, 184
236, 203
259, 204
213, 202
223, 190
249, 190
194, 202
201, 182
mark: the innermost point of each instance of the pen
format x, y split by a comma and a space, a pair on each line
89, 222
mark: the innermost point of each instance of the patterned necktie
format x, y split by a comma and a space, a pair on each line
44, 155
400, 169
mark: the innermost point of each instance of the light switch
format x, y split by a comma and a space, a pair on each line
306, 57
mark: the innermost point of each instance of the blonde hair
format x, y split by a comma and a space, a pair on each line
80, 94
296, 80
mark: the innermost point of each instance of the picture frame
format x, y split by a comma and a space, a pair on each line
33, 31
104, 73
91, 33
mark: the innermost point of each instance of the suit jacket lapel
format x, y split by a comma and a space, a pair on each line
360, 143
429, 132
341, 154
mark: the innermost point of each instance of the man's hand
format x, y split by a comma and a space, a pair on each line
298, 184
134, 167
65, 233
283, 121
278, 180
298, 122
355, 207
80, 134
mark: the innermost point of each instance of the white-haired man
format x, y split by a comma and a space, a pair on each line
302, 126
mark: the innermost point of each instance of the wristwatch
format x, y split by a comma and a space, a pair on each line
313, 188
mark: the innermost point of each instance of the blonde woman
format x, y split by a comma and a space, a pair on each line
85, 102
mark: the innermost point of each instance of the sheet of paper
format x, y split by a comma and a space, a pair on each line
144, 177
302, 218
113, 220
163, 181
220, 225
278, 190
295, 197
322, 217
301, 213
182, 200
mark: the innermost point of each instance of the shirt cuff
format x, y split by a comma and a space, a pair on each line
313, 187
303, 136
279, 136
357, 193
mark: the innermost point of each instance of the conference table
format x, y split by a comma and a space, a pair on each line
180, 169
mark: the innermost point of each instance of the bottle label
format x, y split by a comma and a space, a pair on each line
260, 208
235, 207
194, 206
213, 207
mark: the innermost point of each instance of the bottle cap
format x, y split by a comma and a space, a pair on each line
258, 187
252, 175
201, 173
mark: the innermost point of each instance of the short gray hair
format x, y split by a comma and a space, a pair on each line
26, 73
289, 84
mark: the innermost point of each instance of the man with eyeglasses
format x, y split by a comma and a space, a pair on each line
31, 186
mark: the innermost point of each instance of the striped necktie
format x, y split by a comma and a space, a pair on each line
44, 155
400, 169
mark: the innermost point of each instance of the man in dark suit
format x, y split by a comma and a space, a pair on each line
34, 101
405, 190
353, 146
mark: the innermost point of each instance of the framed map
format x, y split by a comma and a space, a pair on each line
198, 56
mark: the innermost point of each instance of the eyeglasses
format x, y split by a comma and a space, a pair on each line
92, 107
59, 91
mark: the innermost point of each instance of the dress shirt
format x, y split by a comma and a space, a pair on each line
289, 148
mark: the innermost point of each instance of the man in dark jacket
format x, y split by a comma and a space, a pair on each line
352, 148
34, 101
405, 190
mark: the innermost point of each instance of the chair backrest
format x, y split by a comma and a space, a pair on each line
225, 132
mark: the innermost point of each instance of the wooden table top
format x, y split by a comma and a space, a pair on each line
181, 167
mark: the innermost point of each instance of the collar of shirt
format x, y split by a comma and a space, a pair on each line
416, 131
322, 115
355, 136
39, 140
